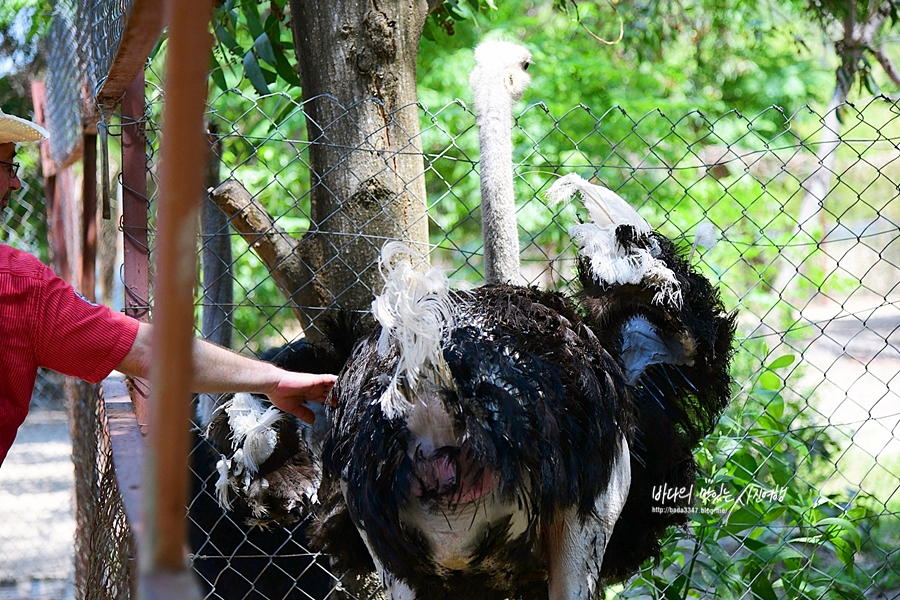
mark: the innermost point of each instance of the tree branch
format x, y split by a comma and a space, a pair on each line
872, 25
887, 65
284, 256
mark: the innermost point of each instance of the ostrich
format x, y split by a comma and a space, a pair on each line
502, 442
498, 81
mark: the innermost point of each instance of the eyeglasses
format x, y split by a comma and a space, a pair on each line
12, 167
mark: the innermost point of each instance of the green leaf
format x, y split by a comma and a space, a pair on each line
781, 362
217, 75
775, 407
225, 37
740, 520
762, 587
846, 526
288, 110
251, 13
286, 70
432, 28
772, 554
844, 551
459, 12
770, 381
264, 48
870, 84
254, 74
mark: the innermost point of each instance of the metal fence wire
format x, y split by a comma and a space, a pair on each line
798, 492
64, 79
797, 495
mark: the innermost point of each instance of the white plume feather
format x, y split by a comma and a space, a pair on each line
415, 312
704, 235
251, 424
223, 466
612, 264
605, 207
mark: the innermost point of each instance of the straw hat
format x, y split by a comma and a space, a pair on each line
15, 129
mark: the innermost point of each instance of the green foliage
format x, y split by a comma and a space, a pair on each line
760, 520
260, 40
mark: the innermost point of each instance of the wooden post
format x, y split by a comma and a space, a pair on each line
52, 201
134, 203
136, 268
89, 218
183, 158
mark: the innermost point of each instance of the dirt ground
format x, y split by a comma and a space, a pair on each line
37, 518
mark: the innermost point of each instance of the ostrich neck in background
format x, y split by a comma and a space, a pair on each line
498, 210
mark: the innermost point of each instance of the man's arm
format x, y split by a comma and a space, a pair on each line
220, 370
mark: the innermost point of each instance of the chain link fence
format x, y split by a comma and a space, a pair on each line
798, 490
798, 493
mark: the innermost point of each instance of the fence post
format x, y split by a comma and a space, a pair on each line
183, 156
89, 217
134, 222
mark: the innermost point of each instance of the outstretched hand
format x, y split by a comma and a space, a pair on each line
293, 390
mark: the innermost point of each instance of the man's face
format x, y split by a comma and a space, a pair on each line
8, 184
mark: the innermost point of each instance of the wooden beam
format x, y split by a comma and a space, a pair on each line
142, 30
183, 157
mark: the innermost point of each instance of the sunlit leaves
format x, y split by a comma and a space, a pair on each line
259, 37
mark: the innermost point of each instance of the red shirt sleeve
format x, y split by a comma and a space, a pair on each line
77, 337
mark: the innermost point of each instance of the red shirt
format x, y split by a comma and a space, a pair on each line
45, 323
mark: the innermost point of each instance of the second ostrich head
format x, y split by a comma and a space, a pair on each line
498, 81
499, 63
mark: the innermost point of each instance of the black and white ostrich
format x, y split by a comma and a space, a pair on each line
502, 442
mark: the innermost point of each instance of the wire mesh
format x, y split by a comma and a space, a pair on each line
797, 493
99, 29
64, 79
808, 451
104, 552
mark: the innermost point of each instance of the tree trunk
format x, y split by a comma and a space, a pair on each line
358, 71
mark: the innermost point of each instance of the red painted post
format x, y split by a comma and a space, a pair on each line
134, 203
52, 202
89, 217
135, 210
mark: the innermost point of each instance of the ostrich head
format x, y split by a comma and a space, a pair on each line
499, 63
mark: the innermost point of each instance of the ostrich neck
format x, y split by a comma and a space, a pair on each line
498, 210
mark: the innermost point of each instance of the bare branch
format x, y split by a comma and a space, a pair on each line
281, 253
872, 25
887, 65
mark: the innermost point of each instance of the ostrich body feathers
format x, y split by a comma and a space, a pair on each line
533, 429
